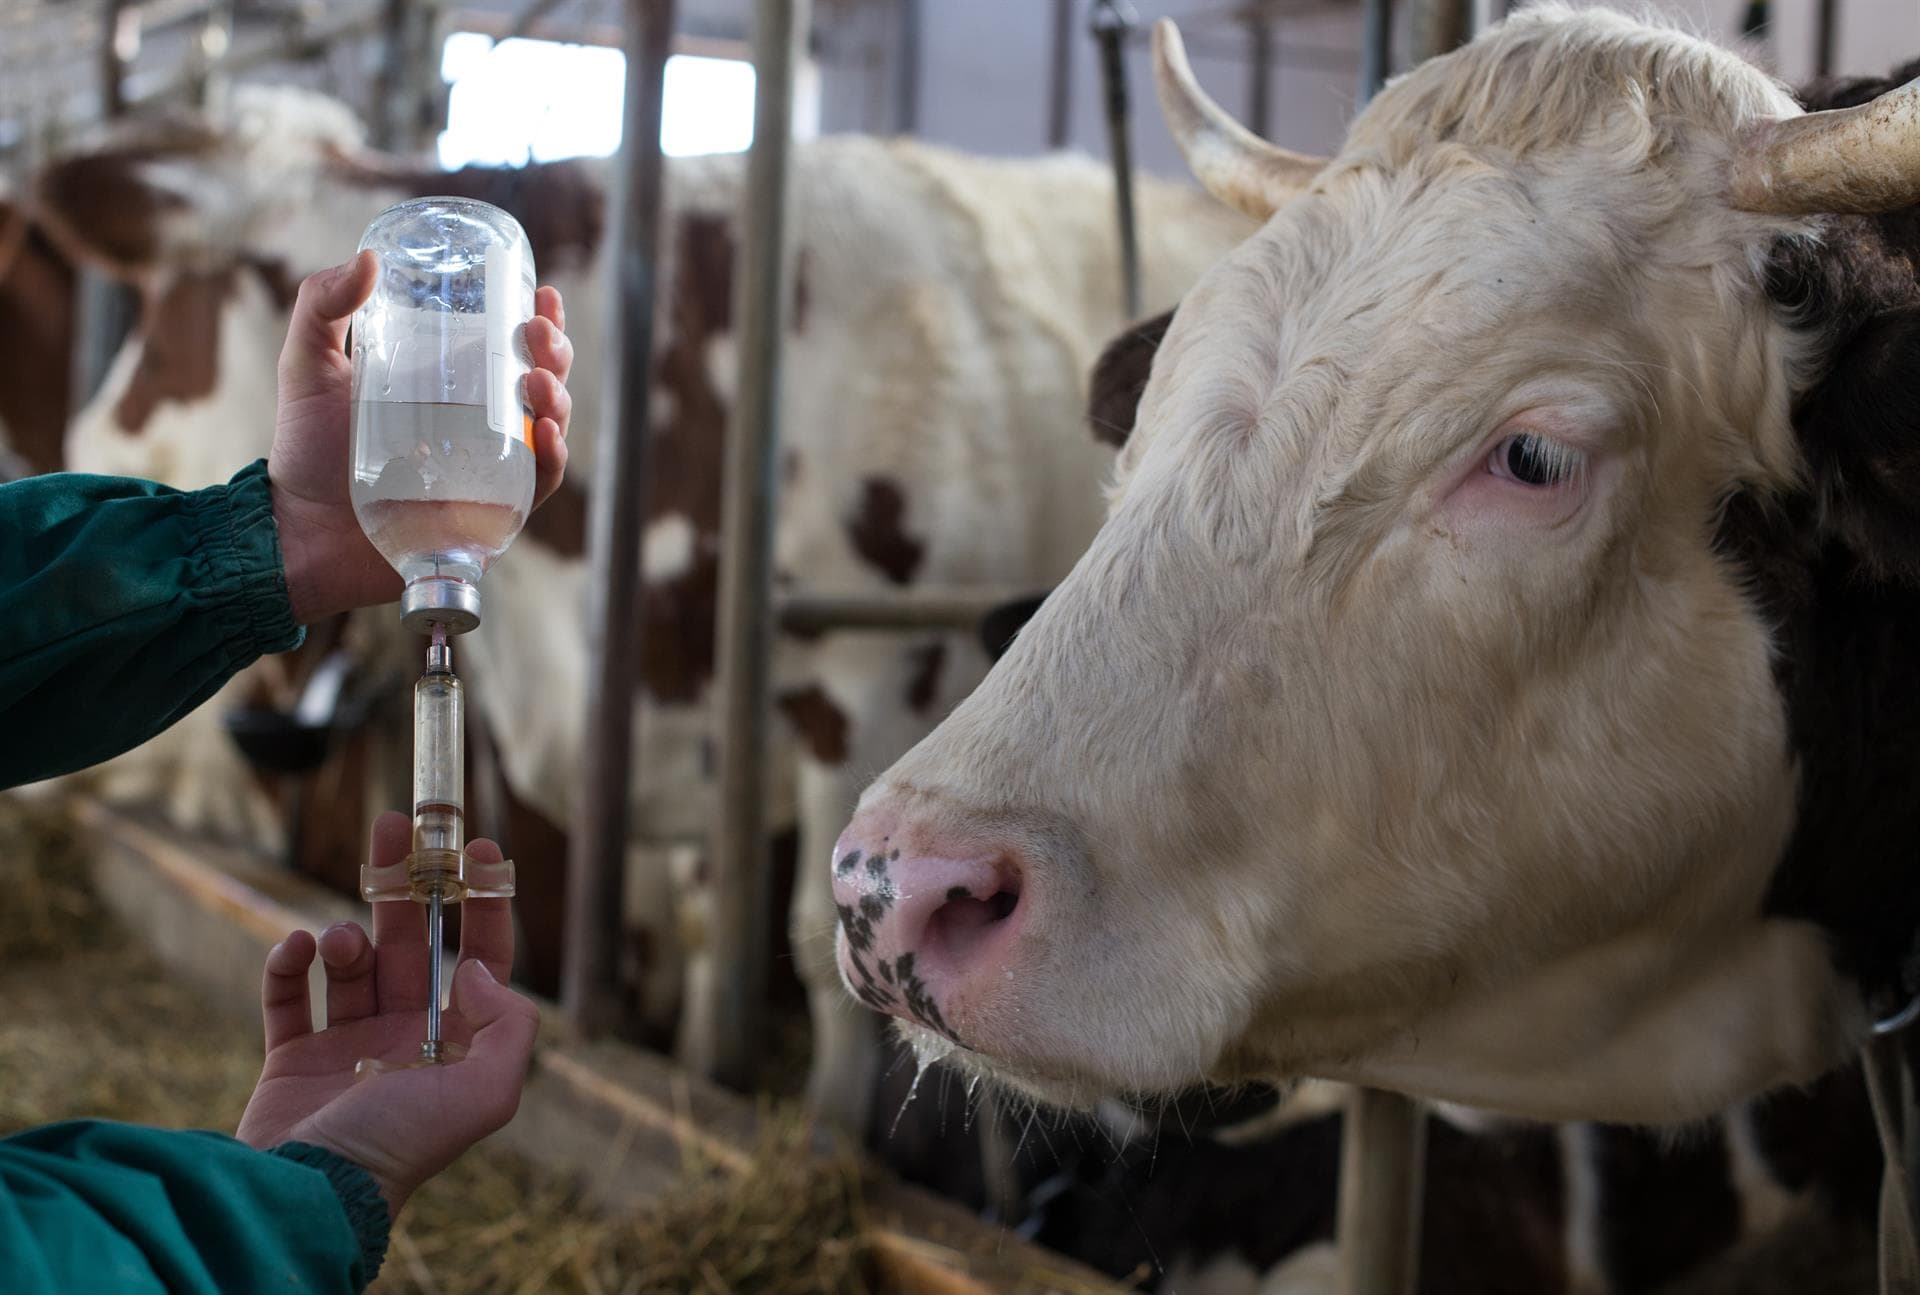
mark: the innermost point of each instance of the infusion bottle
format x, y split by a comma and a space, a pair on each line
443, 460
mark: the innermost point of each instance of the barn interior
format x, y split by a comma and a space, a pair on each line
801, 243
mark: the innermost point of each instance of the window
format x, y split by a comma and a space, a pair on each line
518, 101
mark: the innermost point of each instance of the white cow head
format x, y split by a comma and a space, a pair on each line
1426, 714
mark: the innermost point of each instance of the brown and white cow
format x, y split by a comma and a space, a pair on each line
1488, 680
943, 312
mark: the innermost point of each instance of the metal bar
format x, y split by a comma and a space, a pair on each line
1438, 26
1376, 35
723, 1035
906, 82
905, 609
590, 960
1259, 75
1485, 14
1060, 79
117, 20
1382, 1169
301, 43
1112, 19
1823, 30
1202, 44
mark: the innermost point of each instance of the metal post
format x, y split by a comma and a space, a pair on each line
1823, 38
906, 81
589, 975
723, 1034
1438, 26
1259, 73
119, 42
1060, 81
1112, 20
1383, 1153
1376, 35
1485, 14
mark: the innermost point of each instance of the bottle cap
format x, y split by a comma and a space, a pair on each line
440, 601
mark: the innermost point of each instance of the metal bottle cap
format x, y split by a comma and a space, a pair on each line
440, 601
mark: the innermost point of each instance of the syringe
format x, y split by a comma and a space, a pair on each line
438, 870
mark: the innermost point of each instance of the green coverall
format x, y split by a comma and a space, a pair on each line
123, 605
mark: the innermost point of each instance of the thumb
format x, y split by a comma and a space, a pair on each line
327, 300
505, 1025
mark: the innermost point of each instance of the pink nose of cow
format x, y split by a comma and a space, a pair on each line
923, 930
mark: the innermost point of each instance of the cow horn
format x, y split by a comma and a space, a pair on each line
1864, 159
1231, 162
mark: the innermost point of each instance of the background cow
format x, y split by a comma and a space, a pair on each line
943, 313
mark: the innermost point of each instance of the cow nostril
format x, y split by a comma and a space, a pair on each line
963, 922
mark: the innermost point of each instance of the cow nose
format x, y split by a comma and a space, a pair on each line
925, 925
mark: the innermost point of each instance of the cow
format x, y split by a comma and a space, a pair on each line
942, 313
1486, 682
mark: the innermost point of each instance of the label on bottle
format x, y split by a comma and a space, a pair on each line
509, 304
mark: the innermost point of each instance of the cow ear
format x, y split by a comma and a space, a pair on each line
123, 203
998, 627
1860, 429
1119, 376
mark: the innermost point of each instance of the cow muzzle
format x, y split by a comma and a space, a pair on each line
928, 927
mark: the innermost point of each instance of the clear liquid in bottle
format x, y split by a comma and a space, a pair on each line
437, 492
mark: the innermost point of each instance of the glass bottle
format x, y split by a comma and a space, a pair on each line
443, 460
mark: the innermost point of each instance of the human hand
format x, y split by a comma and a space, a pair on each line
331, 566
401, 1126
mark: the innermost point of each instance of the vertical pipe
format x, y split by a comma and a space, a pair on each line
117, 27
1823, 19
1112, 20
1438, 26
1259, 74
1376, 32
724, 1033
906, 83
589, 976
1060, 80
1382, 1167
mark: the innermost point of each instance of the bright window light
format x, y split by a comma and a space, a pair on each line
519, 101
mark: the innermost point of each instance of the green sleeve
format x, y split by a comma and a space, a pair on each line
91, 1205
125, 604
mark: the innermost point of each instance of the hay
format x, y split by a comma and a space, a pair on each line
94, 1028
50, 909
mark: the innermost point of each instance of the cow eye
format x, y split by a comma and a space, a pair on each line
1535, 461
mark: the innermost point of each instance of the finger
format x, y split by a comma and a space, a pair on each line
504, 1025
347, 955
548, 305
399, 926
550, 459
486, 925
318, 329
549, 398
286, 1011
550, 347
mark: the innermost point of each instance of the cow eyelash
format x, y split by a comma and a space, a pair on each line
1536, 461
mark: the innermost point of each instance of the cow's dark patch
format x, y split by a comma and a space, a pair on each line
821, 725
914, 995
560, 523
1644, 1238
561, 205
878, 530
848, 862
877, 866
1837, 569
999, 626
859, 928
179, 346
277, 277
1120, 376
687, 458
923, 683
99, 206
37, 306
